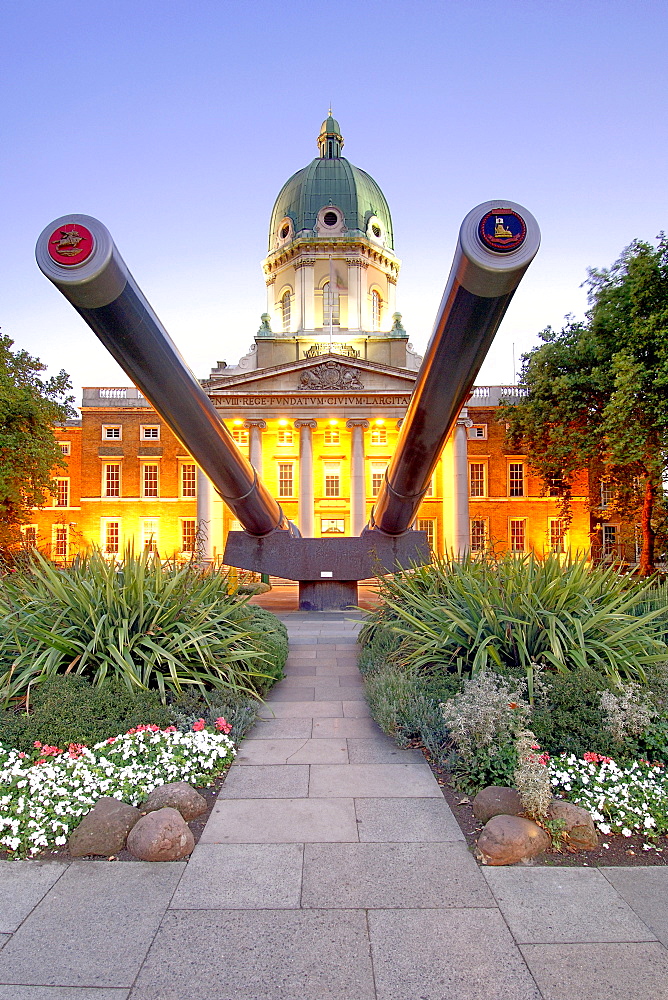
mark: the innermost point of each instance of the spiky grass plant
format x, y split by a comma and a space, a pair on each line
152, 625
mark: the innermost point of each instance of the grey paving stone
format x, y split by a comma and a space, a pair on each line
93, 928
298, 681
281, 729
299, 668
301, 710
253, 752
258, 955
599, 971
357, 709
241, 877
292, 694
337, 670
22, 885
4, 938
569, 905
373, 781
333, 728
381, 750
379, 876
281, 821
406, 820
646, 892
462, 954
61, 993
344, 691
266, 781
333, 751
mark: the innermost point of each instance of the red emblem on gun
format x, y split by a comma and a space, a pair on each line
70, 244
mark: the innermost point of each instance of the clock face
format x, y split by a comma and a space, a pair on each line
70, 244
502, 230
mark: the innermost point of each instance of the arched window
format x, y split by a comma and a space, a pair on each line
376, 309
285, 310
330, 306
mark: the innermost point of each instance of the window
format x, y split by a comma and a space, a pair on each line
29, 532
478, 534
240, 435
65, 447
284, 435
112, 432
151, 433
429, 492
608, 493
332, 479
188, 534
188, 480
285, 311
332, 526
478, 432
477, 479
555, 485
609, 539
63, 494
111, 482
150, 480
376, 310
518, 535
330, 305
149, 532
285, 480
428, 525
111, 536
332, 435
557, 533
516, 479
377, 477
378, 434
60, 541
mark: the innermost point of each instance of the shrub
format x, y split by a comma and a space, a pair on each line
568, 718
239, 711
626, 714
531, 777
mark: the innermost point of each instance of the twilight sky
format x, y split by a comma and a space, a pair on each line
176, 124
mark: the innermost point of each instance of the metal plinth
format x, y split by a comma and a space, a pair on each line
327, 595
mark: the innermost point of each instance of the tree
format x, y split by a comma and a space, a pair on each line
29, 407
597, 391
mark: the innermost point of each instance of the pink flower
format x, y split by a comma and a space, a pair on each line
170, 729
222, 725
75, 750
112, 739
199, 725
37, 744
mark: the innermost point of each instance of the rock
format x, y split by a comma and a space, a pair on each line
496, 800
579, 824
509, 839
161, 835
177, 795
104, 829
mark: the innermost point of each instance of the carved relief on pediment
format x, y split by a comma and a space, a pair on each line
330, 375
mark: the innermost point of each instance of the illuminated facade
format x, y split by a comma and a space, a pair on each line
316, 405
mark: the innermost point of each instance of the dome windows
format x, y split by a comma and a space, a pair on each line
286, 301
284, 231
376, 310
330, 218
375, 230
330, 221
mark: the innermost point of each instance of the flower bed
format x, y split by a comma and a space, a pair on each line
43, 795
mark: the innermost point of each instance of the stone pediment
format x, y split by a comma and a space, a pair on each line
324, 373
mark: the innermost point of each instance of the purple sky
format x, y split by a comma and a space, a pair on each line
176, 124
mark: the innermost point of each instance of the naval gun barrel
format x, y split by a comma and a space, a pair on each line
77, 253
497, 242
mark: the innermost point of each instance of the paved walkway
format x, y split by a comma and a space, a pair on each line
330, 869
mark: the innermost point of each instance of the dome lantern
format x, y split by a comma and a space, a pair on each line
330, 140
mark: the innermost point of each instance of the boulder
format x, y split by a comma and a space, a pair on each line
104, 829
177, 795
162, 835
506, 840
579, 824
496, 800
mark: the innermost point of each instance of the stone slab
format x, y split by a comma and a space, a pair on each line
381, 876
337, 669
254, 752
282, 729
281, 821
241, 877
357, 709
4, 938
406, 820
334, 728
258, 955
462, 954
346, 692
301, 710
79, 934
646, 892
22, 885
292, 694
566, 905
299, 668
61, 993
297, 681
266, 781
381, 750
373, 781
599, 971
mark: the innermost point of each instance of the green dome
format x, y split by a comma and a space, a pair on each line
331, 179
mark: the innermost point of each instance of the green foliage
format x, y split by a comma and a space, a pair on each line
378, 649
239, 710
511, 613
485, 765
29, 406
153, 626
568, 718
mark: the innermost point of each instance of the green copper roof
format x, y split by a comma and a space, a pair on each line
331, 181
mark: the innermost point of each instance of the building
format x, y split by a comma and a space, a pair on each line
316, 404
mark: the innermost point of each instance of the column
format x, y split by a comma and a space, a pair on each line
357, 479
306, 497
365, 311
255, 452
271, 300
354, 272
307, 272
204, 526
460, 542
386, 321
